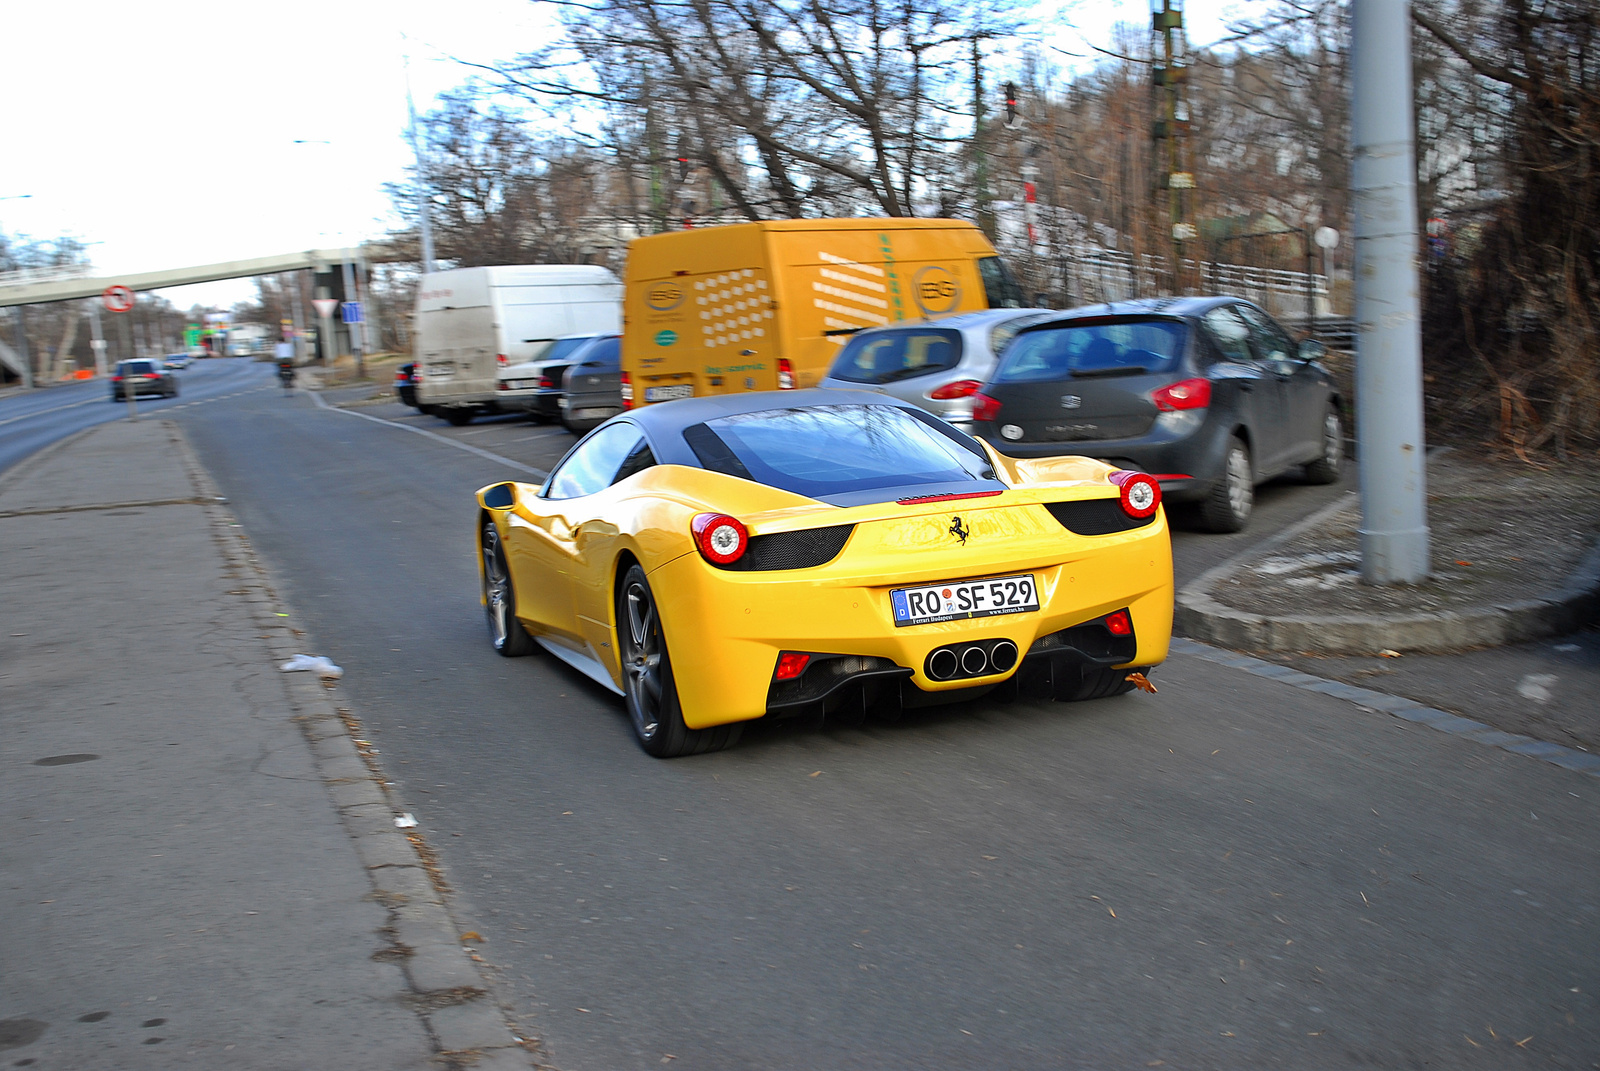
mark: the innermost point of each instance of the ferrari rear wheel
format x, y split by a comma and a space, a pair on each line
654, 709
510, 639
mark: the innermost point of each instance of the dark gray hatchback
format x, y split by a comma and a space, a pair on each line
1209, 395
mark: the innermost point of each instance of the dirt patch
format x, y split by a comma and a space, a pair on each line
1500, 531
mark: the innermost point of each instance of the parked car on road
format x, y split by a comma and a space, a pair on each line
592, 386
145, 375
534, 386
718, 560
1208, 393
405, 384
937, 364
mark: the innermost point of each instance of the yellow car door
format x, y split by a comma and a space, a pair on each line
553, 547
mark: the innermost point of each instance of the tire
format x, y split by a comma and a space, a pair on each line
1096, 684
458, 418
506, 633
1227, 507
654, 709
1325, 469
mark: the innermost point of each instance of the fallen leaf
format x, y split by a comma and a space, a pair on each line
816, 774
966, 1032
1214, 752
1387, 653
584, 1010
1364, 899
566, 812
1314, 1033
1141, 682
472, 935
1459, 562
283, 615
1113, 913
1474, 1044
1227, 1033
1524, 1041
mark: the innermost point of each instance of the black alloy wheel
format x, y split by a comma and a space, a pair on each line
510, 639
654, 709
1325, 469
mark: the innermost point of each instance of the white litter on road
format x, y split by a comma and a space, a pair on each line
322, 667
1536, 686
405, 821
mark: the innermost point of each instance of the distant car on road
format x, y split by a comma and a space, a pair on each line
722, 559
1207, 393
142, 376
592, 386
936, 364
405, 383
176, 360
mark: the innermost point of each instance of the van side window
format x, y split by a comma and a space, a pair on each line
998, 285
594, 463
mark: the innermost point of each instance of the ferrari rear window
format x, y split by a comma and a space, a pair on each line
1101, 347
827, 450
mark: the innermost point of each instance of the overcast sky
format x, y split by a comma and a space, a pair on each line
165, 133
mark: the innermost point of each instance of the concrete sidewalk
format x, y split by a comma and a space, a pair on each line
197, 867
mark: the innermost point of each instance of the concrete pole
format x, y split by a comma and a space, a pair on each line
1394, 507
423, 222
97, 340
300, 323
23, 355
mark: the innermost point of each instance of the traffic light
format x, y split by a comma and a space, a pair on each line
1011, 104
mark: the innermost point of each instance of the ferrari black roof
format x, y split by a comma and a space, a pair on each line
663, 423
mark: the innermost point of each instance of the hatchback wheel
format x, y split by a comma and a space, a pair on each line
510, 639
652, 693
1228, 506
1325, 469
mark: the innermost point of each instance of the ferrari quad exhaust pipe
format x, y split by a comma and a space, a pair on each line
963, 660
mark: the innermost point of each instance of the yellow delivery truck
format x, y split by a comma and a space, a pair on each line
766, 306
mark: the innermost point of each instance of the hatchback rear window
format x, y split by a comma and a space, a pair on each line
1108, 347
885, 356
828, 450
138, 368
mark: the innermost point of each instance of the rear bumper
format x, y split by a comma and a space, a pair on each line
726, 629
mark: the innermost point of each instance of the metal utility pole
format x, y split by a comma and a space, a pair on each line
423, 221
1394, 505
1168, 79
353, 327
980, 159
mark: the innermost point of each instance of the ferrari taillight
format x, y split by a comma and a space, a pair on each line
785, 374
790, 665
721, 539
985, 407
1141, 494
961, 388
627, 391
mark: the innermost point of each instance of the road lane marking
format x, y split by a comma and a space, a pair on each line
519, 466
42, 412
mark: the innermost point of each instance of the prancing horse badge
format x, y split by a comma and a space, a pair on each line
958, 531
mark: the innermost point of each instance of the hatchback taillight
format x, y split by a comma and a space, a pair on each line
545, 382
985, 407
1184, 394
627, 391
961, 388
785, 374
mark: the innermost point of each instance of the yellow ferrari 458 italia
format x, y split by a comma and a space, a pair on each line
817, 552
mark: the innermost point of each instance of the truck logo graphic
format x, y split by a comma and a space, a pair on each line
664, 297
935, 290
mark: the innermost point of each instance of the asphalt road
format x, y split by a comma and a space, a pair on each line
1230, 873
32, 420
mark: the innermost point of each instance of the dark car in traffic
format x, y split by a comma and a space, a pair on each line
592, 385
143, 376
405, 383
1208, 394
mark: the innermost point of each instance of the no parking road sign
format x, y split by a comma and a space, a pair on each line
118, 298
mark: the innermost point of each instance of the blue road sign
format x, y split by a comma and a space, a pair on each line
352, 313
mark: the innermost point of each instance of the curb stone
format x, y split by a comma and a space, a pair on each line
1204, 618
448, 991
1568, 758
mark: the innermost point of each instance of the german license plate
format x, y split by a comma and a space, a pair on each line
956, 600
520, 384
667, 394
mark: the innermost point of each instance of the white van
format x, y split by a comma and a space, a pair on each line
471, 322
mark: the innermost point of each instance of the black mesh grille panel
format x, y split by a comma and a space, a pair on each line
805, 549
1096, 516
